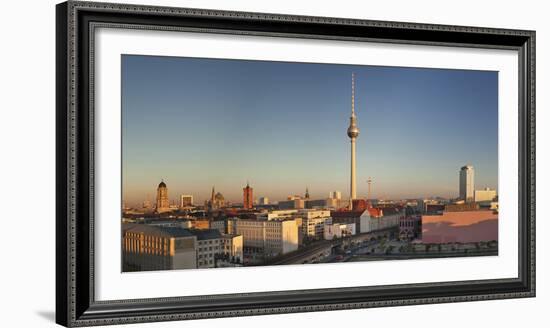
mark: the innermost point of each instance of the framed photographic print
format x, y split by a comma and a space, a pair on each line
214, 163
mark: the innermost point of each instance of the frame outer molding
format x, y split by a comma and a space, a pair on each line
72, 310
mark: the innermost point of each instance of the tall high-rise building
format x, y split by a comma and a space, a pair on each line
353, 133
263, 201
248, 197
163, 204
466, 183
306, 196
186, 200
335, 195
369, 183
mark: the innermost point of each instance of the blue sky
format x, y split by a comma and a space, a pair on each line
282, 126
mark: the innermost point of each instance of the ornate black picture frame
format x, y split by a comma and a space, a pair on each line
75, 301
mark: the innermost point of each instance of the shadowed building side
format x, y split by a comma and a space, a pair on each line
147, 248
466, 185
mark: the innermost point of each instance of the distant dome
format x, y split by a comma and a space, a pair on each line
219, 196
162, 184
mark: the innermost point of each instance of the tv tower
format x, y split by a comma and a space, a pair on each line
353, 133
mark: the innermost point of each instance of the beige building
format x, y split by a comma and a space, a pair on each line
215, 248
263, 201
209, 247
314, 227
466, 183
422, 204
147, 248
295, 203
163, 204
486, 194
233, 247
186, 201
174, 223
310, 214
338, 230
277, 215
335, 203
231, 225
282, 215
314, 222
335, 195
220, 225
370, 223
268, 237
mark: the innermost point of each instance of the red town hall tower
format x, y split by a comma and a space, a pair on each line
248, 197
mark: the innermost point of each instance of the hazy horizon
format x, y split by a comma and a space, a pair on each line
197, 123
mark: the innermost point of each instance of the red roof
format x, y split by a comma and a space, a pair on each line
375, 212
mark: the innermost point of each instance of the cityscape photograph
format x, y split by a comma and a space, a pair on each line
236, 163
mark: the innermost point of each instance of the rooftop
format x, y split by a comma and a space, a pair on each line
156, 230
206, 234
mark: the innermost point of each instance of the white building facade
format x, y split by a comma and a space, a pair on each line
313, 223
338, 230
370, 223
269, 237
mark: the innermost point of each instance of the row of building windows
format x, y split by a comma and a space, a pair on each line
206, 262
147, 243
157, 246
211, 248
211, 241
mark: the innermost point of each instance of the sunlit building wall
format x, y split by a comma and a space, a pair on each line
186, 200
486, 194
338, 230
268, 237
163, 204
